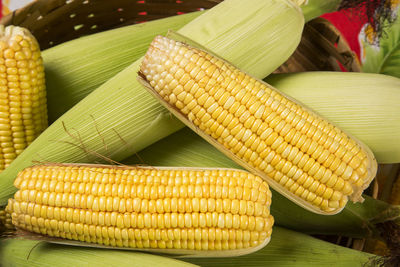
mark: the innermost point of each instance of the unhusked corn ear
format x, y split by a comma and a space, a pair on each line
301, 155
169, 210
23, 112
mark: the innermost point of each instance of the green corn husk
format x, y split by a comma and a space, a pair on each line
120, 117
185, 148
315, 8
20, 252
76, 68
365, 105
287, 248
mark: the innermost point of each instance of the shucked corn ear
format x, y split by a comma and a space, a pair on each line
23, 113
301, 155
210, 212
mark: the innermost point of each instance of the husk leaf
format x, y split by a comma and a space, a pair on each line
20, 252
76, 68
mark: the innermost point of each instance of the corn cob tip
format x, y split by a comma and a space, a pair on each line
301, 155
11, 31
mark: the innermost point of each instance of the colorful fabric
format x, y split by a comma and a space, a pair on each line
362, 29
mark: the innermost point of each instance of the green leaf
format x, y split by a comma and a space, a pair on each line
384, 58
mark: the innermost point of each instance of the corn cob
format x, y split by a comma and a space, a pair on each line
301, 155
22, 93
165, 210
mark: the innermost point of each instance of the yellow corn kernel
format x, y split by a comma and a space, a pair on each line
158, 206
294, 140
23, 94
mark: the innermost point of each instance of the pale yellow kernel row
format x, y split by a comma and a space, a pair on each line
140, 191
186, 233
242, 216
142, 205
139, 239
140, 176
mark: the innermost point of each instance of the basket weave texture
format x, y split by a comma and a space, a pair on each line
55, 21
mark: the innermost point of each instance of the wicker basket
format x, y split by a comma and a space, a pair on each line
57, 21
